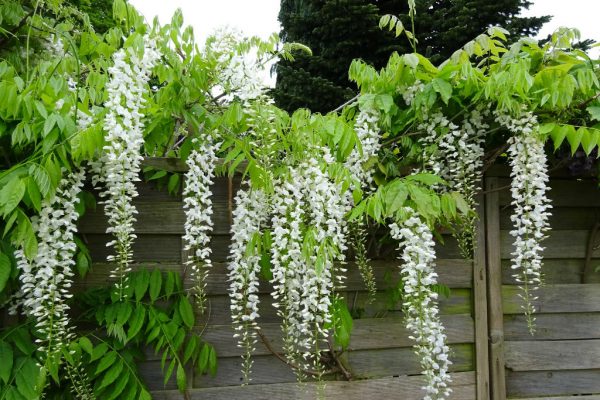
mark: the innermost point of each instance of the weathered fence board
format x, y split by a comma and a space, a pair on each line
370, 333
538, 355
563, 193
555, 299
405, 387
553, 326
553, 383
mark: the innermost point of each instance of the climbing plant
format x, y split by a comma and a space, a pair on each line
408, 154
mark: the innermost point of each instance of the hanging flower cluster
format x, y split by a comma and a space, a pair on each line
119, 167
249, 218
458, 159
198, 211
47, 278
309, 236
419, 302
531, 204
367, 132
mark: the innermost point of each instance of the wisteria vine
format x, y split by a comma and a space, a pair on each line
119, 167
531, 205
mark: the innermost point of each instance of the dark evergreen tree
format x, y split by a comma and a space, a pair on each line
339, 31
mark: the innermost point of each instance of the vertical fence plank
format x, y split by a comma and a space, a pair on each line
480, 314
494, 278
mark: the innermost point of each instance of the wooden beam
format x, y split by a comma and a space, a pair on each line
494, 278
480, 315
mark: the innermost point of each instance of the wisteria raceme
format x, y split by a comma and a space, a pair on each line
309, 236
198, 207
531, 205
46, 280
119, 167
419, 302
367, 132
458, 159
249, 218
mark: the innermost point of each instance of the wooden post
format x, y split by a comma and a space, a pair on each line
480, 312
494, 278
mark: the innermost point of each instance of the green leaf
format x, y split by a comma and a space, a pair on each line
395, 196
212, 361
144, 395
41, 178
589, 139
594, 112
5, 270
574, 137
111, 374
181, 378
136, 322
142, 280
86, 345
11, 194
558, 135
106, 361
82, 264
27, 374
170, 284
98, 351
203, 358
173, 185
443, 88
190, 348
6, 355
155, 284
186, 312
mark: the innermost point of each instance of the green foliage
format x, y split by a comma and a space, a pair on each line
340, 32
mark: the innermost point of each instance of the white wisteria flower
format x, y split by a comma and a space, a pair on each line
249, 218
529, 188
46, 280
309, 237
119, 167
367, 133
198, 207
419, 302
458, 159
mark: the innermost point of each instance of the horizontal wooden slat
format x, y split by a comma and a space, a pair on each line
555, 299
403, 361
556, 271
146, 248
563, 193
553, 327
559, 244
552, 383
563, 398
162, 217
459, 302
363, 364
409, 387
552, 355
503, 171
452, 273
561, 218
370, 333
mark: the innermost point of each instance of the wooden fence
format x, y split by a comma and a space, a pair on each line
493, 355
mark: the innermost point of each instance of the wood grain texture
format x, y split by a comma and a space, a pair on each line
553, 383
558, 244
552, 355
494, 300
562, 218
555, 299
480, 315
556, 271
563, 193
370, 333
553, 327
404, 387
